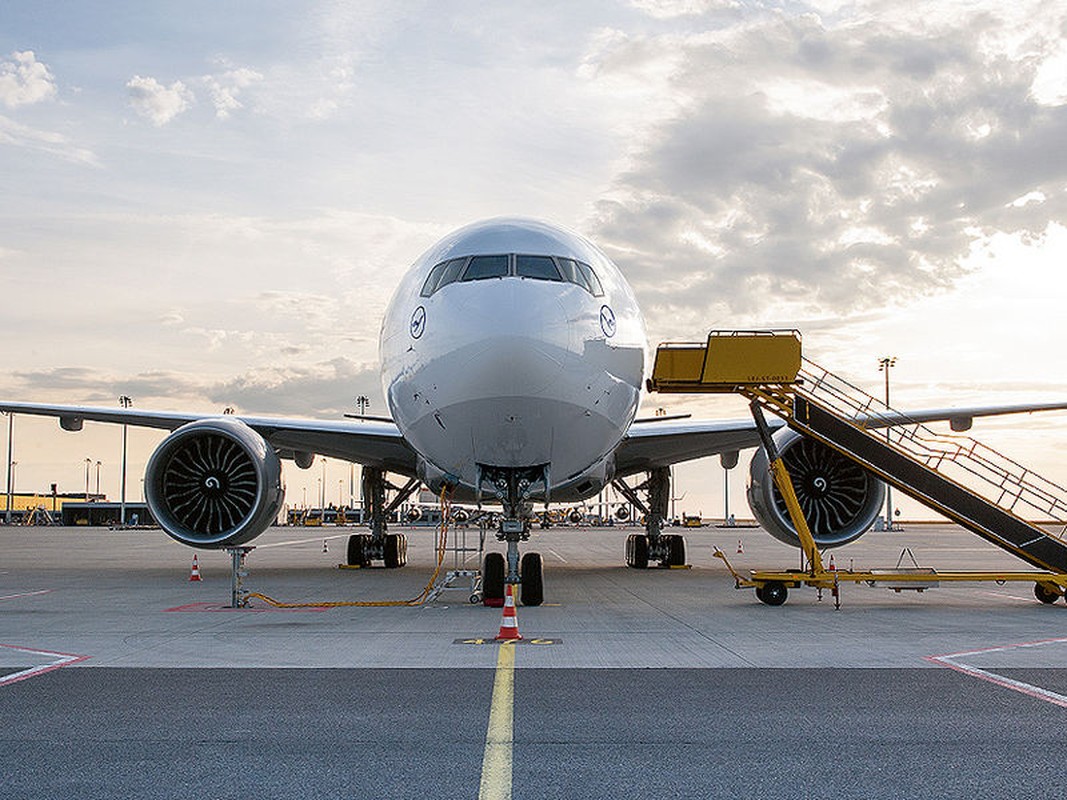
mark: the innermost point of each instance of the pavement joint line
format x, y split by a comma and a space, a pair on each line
499, 736
1028, 689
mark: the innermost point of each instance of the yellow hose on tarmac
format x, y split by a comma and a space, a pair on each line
445, 501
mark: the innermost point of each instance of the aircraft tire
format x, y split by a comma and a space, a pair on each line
637, 551
493, 572
676, 550
357, 550
533, 584
395, 554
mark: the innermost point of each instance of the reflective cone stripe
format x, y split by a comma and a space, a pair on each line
509, 625
195, 574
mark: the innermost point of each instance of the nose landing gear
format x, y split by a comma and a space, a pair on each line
513, 487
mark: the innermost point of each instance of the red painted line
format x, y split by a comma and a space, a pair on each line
1028, 689
64, 660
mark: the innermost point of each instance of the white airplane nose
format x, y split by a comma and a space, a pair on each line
525, 341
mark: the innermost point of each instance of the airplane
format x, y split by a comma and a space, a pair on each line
512, 358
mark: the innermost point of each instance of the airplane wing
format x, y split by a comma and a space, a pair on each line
653, 443
374, 443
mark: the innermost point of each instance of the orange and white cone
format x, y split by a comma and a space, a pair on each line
740, 547
195, 574
833, 566
509, 625
325, 549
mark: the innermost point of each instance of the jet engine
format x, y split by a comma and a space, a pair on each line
414, 514
214, 483
839, 498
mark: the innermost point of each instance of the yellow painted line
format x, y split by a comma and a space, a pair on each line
496, 763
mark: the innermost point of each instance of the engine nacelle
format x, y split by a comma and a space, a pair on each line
575, 516
214, 483
840, 499
622, 513
414, 514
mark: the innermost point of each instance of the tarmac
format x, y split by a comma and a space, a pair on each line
120, 676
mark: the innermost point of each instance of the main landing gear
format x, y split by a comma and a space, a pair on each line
512, 487
379, 544
653, 545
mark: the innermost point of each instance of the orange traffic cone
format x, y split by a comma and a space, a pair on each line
509, 626
833, 566
740, 547
325, 549
195, 574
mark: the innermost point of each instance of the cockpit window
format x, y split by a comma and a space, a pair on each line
581, 274
591, 278
444, 273
542, 268
451, 272
482, 267
573, 274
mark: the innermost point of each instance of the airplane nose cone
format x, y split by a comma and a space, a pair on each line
523, 345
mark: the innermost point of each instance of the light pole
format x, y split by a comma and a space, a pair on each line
362, 404
10, 436
322, 487
97, 480
885, 364
125, 402
88, 463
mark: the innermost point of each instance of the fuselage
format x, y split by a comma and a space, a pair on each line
513, 343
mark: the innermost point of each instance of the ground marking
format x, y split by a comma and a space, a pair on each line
496, 763
557, 555
25, 594
62, 660
951, 661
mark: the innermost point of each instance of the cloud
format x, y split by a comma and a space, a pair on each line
155, 102
668, 9
325, 389
18, 135
833, 168
25, 80
225, 88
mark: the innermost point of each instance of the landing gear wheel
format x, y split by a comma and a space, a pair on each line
759, 594
1045, 593
675, 550
533, 585
357, 550
774, 593
396, 550
493, 572
637, 551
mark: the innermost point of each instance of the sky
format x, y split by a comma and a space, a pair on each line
209, 205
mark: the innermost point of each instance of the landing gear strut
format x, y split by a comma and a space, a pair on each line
512, 486
379, 544
653, 545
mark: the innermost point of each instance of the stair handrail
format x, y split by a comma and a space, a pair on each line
917, 441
